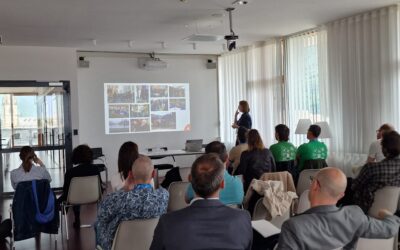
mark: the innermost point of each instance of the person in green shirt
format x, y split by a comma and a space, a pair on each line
283, 150
312, 150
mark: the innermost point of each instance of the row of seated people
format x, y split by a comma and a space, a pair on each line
251, 158
132, 185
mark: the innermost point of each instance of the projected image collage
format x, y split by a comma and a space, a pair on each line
136, 108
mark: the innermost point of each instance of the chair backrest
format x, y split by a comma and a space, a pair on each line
304, 202
177, 192
260, 211
315, 164
304, 180
285, 177
134, 234
184, 173
84, 190
387, 198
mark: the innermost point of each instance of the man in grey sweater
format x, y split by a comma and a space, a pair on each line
325, 226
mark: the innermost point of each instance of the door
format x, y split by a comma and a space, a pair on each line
35, 114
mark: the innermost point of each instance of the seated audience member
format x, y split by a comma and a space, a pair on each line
82, 158
233, 188
236, 152
313, 150
283, 151
375, 153
207, 223
128, 153
325, 226
137, 200
376, 175
32, 168
255, 161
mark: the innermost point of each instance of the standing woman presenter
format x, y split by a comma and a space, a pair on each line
245, 119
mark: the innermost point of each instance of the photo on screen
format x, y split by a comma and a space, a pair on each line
120, 94
163, 122
177, 91
119, 125
118, 111
146, 107
177, 104
159, 91
142, 94
159, 105
140, 110
140, 125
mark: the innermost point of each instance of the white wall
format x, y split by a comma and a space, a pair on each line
42, 64
112, 67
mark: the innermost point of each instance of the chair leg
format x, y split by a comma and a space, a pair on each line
66, 221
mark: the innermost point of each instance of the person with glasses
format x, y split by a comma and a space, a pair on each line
375, 153
326, 226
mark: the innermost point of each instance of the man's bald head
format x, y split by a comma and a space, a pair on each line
142, 169
332, 182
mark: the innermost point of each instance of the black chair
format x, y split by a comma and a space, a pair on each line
289, 166
315, 164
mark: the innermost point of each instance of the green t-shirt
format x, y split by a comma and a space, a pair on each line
283, 151
311, 151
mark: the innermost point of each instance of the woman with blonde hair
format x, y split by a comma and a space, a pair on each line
255, 161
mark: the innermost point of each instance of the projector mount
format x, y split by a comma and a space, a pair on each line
231, 38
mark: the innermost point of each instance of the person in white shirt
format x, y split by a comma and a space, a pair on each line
32, 168
375, 149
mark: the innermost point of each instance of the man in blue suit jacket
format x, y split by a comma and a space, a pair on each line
206, 223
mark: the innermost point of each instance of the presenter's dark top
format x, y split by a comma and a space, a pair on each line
245, 121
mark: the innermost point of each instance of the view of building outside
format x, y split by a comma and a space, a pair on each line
26, 117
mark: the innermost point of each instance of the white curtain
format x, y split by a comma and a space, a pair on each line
302, 81
252, 74
232, 77
362, 85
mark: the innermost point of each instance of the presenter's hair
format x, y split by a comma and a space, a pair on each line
207, 174
245, 106
127, 155
283, 132
254, 140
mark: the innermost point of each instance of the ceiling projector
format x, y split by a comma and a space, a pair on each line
152, 63
232, 37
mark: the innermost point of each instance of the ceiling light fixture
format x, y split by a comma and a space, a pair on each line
240, 2
130, 43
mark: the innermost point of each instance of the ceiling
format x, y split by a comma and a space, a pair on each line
113, 23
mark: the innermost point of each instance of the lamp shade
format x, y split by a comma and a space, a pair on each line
325, 130
302, 126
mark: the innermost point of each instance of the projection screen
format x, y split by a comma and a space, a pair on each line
146, 107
